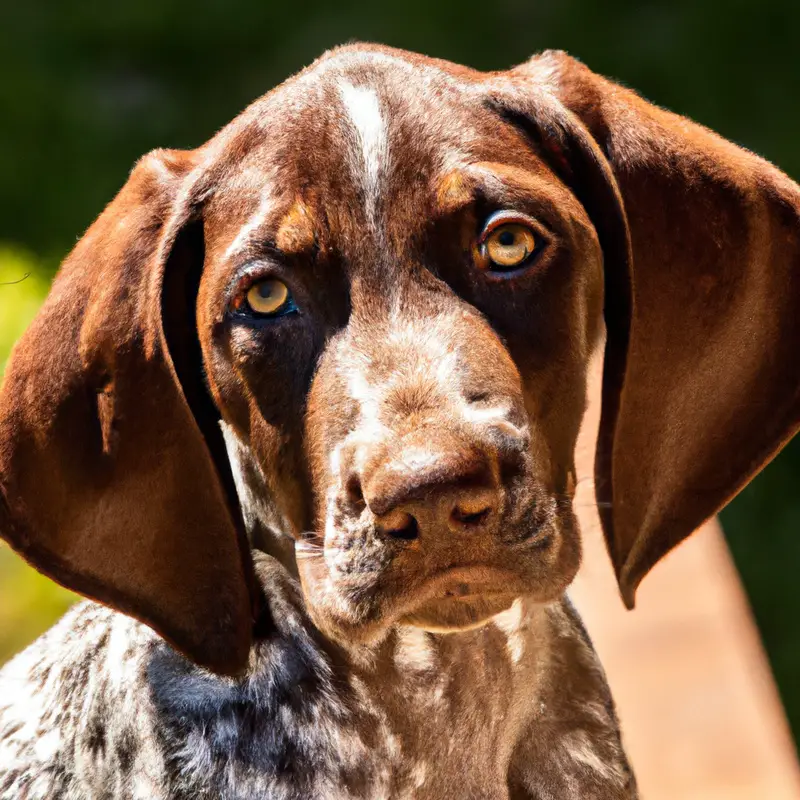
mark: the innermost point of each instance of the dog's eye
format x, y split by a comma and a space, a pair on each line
268, 298
507, 243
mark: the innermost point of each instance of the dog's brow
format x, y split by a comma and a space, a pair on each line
455, 191
296, 230
250, 228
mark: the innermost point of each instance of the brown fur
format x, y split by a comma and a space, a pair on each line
112, 466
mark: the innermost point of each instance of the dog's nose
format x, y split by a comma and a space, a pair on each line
431, 484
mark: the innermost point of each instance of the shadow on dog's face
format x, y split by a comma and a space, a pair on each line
399, 301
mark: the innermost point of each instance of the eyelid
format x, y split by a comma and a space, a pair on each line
506, 217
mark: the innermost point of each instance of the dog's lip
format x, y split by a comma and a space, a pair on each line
472, 580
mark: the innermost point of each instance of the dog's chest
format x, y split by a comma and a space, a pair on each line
102, 708
416, 717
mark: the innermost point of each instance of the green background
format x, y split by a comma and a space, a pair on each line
85, 88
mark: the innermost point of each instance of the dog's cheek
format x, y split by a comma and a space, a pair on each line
330, 415
279, 453
340, 592
570, 552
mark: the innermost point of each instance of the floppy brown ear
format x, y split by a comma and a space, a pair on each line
701, 386
107, 482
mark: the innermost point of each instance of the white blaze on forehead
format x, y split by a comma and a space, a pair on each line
364, 112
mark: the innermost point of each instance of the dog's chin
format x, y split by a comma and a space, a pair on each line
360, 608
459, 600
458, 613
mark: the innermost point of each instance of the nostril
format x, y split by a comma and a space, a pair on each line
355, 494
478, 396
401, 526
469, 517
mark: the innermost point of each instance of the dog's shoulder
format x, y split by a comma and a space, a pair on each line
101, 707
74, 718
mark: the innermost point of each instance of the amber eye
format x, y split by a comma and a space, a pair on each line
269, 297
509, 245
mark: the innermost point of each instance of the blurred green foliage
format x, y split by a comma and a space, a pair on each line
29, 602
89, 87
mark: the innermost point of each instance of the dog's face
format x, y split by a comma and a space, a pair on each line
396, 320
382, 284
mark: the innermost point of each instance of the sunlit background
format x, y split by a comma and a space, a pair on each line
86, 88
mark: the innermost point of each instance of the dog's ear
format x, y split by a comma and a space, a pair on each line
701, 244
112, 473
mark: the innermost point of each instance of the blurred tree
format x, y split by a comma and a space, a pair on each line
89, 87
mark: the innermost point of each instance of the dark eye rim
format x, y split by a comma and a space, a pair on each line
497, 220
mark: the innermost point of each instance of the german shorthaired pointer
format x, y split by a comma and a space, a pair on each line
302, 405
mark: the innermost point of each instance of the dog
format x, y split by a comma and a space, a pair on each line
299, 416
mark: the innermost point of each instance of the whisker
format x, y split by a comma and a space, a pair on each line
300, 547
309, 545
566, 501
309, 539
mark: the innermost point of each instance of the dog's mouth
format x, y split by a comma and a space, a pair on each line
356, 590
464, 598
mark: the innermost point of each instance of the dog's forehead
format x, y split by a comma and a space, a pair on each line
358, 126
400, 85
371, 98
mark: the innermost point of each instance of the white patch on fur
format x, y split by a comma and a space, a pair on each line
510, 623
246, 232
155, 162
369, 398
494, 416
437, 695
29, 707
393, 747
482, 416
453, 160
579, 748
416, 459
545, 71
121, 669
364, 111
414, 650
144, 787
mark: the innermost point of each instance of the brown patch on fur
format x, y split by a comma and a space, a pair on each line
455, 191
296, 231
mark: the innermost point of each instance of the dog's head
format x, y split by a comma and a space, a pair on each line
368, 305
